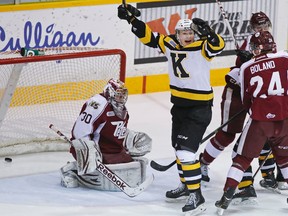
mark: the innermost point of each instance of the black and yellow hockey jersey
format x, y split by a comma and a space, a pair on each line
188, 67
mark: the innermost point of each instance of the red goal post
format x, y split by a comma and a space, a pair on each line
37, 91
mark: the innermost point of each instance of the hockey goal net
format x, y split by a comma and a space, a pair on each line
37, 91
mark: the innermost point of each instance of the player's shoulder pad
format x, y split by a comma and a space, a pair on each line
172, 41
283, 52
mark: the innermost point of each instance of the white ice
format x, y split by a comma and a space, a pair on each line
30, 184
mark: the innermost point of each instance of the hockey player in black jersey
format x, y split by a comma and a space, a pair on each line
191, 94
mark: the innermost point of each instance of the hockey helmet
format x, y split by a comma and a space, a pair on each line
115, 90
183, 24
260, 20
117, 94
262, 41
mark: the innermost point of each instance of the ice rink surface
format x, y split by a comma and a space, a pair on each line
30, 184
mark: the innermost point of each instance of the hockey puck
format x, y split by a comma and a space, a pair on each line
7, 159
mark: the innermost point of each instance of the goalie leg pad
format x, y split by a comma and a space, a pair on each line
87, 154
69, 176
131, 173
143, 162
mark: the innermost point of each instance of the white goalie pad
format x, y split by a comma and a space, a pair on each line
68, 175
137, 143
87, 153
133, 173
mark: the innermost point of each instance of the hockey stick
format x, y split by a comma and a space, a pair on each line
224, 15
133, 11
110, 175
276, 190
262, 163
162, 168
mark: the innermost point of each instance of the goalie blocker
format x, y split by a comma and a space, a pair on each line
83, 172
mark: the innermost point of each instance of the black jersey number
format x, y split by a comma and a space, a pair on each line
86, 117
178, 69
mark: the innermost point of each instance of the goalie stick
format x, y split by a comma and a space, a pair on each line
162, 168
110, 175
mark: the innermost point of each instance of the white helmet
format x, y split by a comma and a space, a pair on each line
183, 24
117, 94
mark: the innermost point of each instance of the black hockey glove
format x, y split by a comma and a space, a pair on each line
202, 28
244, 55
128, 12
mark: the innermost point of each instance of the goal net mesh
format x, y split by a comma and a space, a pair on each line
51, 89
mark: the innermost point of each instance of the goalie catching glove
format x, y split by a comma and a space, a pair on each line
87, 154
128, 12
137, 143
202, 28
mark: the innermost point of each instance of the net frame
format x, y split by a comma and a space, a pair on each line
13, 58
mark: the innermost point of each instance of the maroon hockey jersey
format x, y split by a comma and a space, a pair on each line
98, 121
264, 86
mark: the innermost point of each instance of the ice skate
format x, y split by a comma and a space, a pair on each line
282, 185
194, 204
204, 172
246, 196
178, 194
269, 182
225, 200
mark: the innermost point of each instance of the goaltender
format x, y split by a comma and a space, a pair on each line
100, 133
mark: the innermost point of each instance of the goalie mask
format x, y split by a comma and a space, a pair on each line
260, 22
261, 43
184, 33
117, 94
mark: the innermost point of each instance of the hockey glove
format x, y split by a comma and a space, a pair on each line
128, 12
244, 55
137, 143
201, 27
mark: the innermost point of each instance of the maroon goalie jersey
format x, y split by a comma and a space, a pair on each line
264, 86
98, 121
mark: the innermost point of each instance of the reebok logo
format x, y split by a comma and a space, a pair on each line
111, 176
